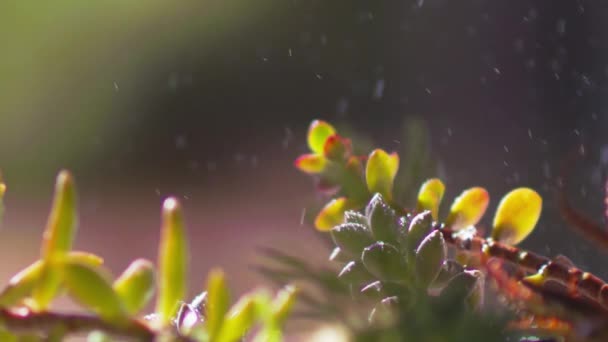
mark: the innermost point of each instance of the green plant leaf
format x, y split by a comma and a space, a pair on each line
239, 319
354, 273
332, 214
352, 216
311, 163
516, 216
429, 257
318, 132
47, 285
2, 192
354, 166
283, 303
420, 226
468, 208
172, 261
57, 239
429, 196
382, 220
337, 148
98, 336
61, 225
383, 261
135, 286
351, 237
22, 284
92, 287
380, 172
449, 270
218, 299
459, 287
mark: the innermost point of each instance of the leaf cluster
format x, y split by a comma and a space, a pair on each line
115, 304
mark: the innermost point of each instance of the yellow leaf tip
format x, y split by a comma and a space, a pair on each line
65, 180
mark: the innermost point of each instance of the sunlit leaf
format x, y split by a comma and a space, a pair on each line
2, 192
311, 163
383, 261
99, 336
92, 287
47, 285
332, 214
468, 208
22, 284
380, 172
135, 286
429, 257
318, 132
172, 261
218, 300
239, 320
62, 221
337, 148
283, 303
516, 216
6, 336
57, 240
351, 237
430, 195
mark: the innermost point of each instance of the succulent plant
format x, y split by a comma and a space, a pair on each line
114, 305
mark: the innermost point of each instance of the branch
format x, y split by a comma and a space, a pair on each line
48, 322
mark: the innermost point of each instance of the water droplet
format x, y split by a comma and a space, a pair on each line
181, 142
560, 26
378, 90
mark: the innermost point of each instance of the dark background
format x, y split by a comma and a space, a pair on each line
210, 101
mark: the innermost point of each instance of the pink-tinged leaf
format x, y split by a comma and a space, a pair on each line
468, 208
355, 165
337, 148
516, 216
429, 197
332, 214
380, 172
311, 163
318, 132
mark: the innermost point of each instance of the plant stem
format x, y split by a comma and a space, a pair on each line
47, 322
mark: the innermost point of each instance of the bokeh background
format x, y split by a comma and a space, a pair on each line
209, 100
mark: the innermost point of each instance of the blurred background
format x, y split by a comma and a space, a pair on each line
209, 100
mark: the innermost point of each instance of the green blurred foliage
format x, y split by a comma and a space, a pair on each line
72, 71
